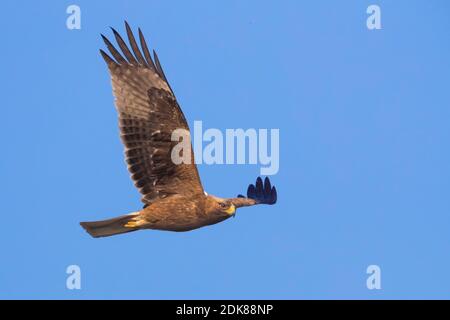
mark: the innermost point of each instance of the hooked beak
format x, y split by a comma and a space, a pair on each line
231, 210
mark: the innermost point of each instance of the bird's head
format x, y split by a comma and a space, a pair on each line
258, 193
221, 207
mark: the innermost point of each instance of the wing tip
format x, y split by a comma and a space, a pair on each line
262, 192
109, 61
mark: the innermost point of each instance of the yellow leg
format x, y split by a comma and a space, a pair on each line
131, 224
134, 223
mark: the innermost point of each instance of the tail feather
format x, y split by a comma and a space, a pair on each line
109, 227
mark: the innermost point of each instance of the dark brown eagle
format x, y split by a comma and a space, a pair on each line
172, 194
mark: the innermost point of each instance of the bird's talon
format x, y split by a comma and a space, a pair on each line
130, 224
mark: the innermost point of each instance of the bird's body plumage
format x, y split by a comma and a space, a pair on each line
172, 194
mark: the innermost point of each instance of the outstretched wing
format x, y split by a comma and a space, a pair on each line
148, 114
258, 193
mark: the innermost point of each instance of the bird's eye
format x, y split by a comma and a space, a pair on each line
223, 204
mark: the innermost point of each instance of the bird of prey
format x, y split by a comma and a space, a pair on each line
173, 196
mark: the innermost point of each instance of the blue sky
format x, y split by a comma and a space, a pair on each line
364, 149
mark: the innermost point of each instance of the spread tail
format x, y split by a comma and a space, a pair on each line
110, 227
